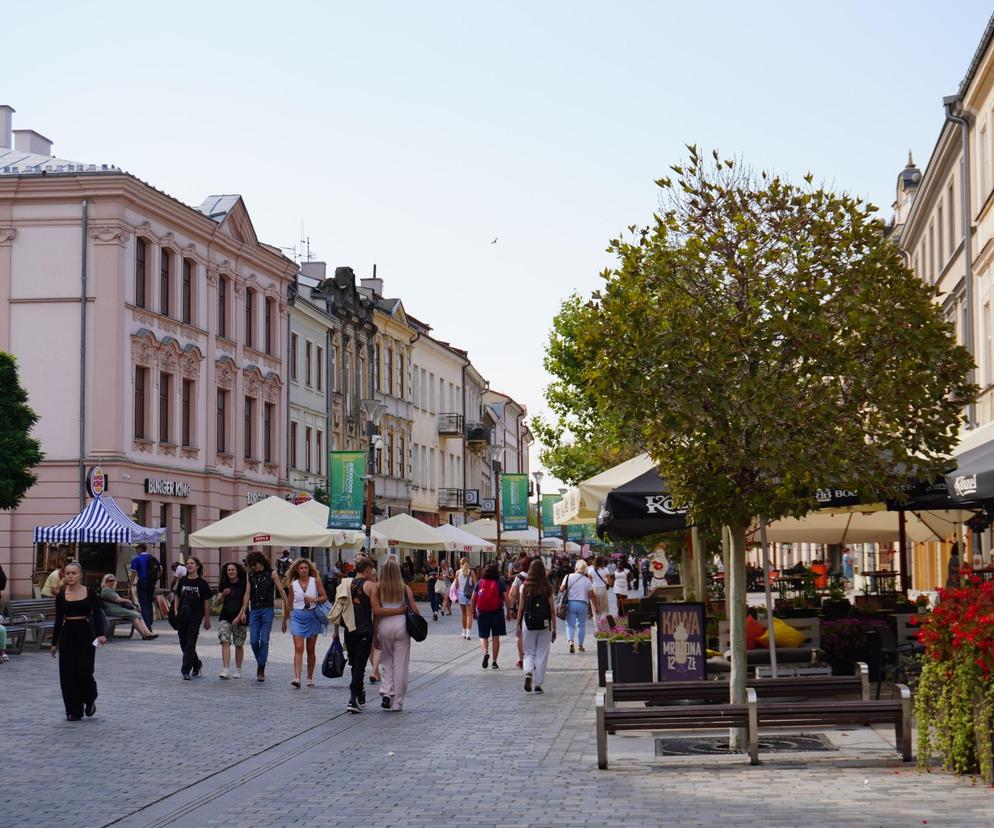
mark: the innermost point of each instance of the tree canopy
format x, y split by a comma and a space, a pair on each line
20, 451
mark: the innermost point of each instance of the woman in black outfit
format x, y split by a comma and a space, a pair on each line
80, 625
191, 604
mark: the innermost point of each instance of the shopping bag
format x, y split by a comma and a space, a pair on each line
333, 665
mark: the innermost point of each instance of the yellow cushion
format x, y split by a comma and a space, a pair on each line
712, 653
786, 635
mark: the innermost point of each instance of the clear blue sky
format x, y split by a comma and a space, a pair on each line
411, 134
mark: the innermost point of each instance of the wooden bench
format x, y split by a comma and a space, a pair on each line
804, 687
36, 614
16, 633
754, 716
810, 627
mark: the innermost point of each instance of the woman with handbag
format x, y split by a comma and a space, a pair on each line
465, 583
578, 592
117, 607
80, 627
306, 592
537, 610
444, 584
391, 599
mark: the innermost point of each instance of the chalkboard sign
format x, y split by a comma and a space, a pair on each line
681, 642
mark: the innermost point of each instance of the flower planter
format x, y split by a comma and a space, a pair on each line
983, 733
420, 590
630, 664
603, 662
836, 609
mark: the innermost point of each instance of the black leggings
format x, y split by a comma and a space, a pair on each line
188, 628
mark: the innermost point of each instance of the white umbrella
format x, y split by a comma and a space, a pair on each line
270, 522
486, 528
873, 525
463, 541
345, 538
406, 531
582, 503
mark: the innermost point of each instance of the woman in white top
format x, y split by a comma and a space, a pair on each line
306, 591
602, 581
579, 596
444, 582
465, 594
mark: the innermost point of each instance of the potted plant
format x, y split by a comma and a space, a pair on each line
836, 605
848, 640
627, 651
921, 604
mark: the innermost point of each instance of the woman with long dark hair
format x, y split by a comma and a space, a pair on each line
537, 611
306, 591
191, 605
263, 586
80, 626
232, 627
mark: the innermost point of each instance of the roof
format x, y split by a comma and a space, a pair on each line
978, 56
17, 162
102, 521
217, 207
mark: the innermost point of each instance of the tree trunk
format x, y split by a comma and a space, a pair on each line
688, 568
735, 590
701, 565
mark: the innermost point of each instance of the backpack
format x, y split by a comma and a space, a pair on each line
153, 569
536, 613
487, 596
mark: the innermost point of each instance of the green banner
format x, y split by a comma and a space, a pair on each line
514, 502
579, 532
346, 501
549, 526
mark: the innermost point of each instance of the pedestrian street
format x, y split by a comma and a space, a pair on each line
469, 747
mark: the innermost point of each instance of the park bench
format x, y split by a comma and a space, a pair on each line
676, 692
753, 716
16, 633
37, 616
802, 655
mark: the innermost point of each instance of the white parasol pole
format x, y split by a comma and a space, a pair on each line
769, 600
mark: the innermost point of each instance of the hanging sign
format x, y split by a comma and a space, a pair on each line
680, 642
96, 481
346, 502
514, 502
301, 497
549, 526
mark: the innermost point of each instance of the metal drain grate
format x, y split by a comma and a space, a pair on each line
718, 745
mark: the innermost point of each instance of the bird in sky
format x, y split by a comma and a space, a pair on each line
494, 241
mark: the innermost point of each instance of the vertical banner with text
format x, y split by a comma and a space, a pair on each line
346, 499
549, 526
514, 502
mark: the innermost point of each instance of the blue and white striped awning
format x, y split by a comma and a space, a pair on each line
102, 521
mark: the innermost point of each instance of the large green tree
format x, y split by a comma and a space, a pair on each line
764, 338
19, 451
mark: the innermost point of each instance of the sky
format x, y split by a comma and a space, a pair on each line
413, 134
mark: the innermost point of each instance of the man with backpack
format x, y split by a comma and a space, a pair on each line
145, 573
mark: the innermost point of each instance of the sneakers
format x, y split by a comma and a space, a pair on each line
385, 702
538, 688
495, 666
528, 682
90, 709
237, 673
353, 706
295, 683
362, 699
572, 649
397, 708
186, 677
260, 673
434, 616
486, 660
580, 648
223, 674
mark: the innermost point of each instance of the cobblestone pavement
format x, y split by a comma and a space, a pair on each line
470, 748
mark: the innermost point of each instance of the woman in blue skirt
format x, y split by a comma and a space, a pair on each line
306, 591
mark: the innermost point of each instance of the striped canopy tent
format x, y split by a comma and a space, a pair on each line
102, 521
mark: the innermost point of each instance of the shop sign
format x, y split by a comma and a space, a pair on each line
260, 538
680, 642
255, 497
301, 497
96, 481
167, 488
514, 502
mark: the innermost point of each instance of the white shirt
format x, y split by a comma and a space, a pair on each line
599, 579
578, 587
181, 571
298, 593
621, 582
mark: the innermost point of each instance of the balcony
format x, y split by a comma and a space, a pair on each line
450, 424
478, 434
450, 498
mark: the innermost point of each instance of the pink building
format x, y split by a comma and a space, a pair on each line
181, 347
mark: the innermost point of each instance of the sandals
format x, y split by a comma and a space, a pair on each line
296, 683
310, 682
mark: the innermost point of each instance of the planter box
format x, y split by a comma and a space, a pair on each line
631, 665
603, 661
420, 590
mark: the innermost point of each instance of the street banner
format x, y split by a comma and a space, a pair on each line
577, 532
549, 526
680, 642
514, 502
346, 500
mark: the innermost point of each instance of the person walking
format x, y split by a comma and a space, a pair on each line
80, 626
305, 591
622, 584
191, 606
602, 581
443, 584
465, 585
431, 576
283, 563
391, 598
115, 606
514, 603
145, 570
537, 611
263, 586
488, 604
579, 596
232, 627
359, 639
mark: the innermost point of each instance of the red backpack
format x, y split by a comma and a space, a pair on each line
487, 596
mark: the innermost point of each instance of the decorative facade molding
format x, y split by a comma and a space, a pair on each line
225, 374
110, 234
143, 348
224, 346
7, 235
168, 448
141, 444
189, 452
226, 459
251, 464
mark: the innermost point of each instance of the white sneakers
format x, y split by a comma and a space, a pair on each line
223, 674
237, 673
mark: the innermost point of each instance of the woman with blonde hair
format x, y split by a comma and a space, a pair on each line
391, 598
579, 596
117, 607
78, 617
305, 591
465, 582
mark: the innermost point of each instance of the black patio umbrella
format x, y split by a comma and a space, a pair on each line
642, 506
973, 477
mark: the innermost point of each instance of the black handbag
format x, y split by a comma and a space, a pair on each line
417, 626
333, 665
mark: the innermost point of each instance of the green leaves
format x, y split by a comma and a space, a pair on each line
19, 450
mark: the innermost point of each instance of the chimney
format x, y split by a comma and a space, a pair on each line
315, 270
6, 125
373, 284
31, 142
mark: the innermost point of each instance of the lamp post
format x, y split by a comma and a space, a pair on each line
374, 411
562, 493
495, 453
538, 501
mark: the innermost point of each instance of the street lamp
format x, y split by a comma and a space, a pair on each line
562, 494
538, 501
495, 453
374, 411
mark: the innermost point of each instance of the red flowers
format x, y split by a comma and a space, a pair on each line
963, 619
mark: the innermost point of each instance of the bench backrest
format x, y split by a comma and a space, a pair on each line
31, 606
907, 633
811, 627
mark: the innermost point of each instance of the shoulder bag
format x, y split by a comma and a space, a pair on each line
417, 624
563, 604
